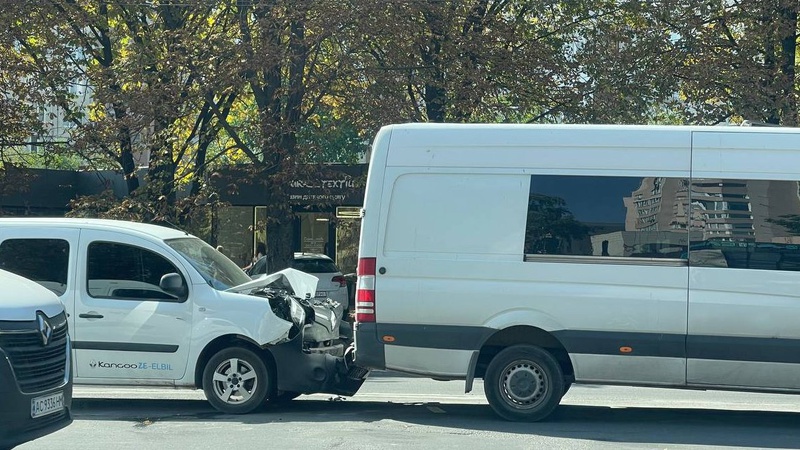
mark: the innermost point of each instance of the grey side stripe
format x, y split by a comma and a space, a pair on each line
725, 348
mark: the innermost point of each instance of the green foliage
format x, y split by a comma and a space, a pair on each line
195, 213
51, 160
328, 139
186, 87
734, 59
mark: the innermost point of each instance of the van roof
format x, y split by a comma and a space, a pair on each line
156, 231
483, 127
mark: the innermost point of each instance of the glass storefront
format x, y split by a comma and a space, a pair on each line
235, 233
347, 234
241, 228
315, 233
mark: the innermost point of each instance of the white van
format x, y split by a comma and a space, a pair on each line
150, 305
535, 256
35, 362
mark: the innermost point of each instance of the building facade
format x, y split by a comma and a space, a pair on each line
238, 226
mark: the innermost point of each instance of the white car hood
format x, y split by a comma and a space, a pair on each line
21, 299
303, 284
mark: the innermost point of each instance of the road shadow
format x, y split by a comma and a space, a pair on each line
652, 426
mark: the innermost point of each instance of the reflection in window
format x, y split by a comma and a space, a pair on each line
766, 237
607, 216
44, 261
126, 272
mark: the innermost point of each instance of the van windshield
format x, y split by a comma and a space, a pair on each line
219, 272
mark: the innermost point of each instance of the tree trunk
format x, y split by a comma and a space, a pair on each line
126, 155
280, 248
788, 35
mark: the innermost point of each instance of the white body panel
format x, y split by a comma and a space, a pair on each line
745, 303
128, 321
426, 361
445, 218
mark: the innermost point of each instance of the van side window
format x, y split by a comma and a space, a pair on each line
745, 224
630, 217
45, 261
126, 272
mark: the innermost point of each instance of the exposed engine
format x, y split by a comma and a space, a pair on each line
319, 320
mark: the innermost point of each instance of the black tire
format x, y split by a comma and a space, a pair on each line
240, 389
523, 383
285, 396
567, 385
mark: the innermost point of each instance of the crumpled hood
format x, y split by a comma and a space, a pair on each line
302, 284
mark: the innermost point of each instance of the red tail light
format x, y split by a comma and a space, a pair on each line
365, 290
339, 279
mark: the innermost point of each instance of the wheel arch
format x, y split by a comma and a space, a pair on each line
227, 341
523, 335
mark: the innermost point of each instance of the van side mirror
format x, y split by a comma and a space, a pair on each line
172, 283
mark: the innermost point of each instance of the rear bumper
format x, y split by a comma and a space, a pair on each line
16, 424
370, 352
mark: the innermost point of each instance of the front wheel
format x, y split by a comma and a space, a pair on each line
523, 383
236, 380
284, 396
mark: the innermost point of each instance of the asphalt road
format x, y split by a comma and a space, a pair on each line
411, 413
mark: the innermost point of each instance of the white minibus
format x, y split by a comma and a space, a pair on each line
535, 256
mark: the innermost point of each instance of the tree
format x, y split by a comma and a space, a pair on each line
138, 65
287, 61
514, 61
739, 59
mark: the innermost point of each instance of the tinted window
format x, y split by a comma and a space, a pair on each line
745, 224
607, 216
42, 260
314, 265
259, 267
126, 272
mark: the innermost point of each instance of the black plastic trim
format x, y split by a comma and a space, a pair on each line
307, 372
125, 347
370, 352
451, 337
611, 342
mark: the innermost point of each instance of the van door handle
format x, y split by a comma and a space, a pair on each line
90, 316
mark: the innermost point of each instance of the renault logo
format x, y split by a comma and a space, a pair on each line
45, 329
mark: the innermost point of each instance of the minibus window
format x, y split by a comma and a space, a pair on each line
598, 216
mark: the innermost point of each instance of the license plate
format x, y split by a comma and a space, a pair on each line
48, 404
321, 294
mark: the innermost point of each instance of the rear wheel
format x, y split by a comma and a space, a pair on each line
236, 380
567, 385
523, 383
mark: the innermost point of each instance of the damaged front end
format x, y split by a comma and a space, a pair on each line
316, 355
